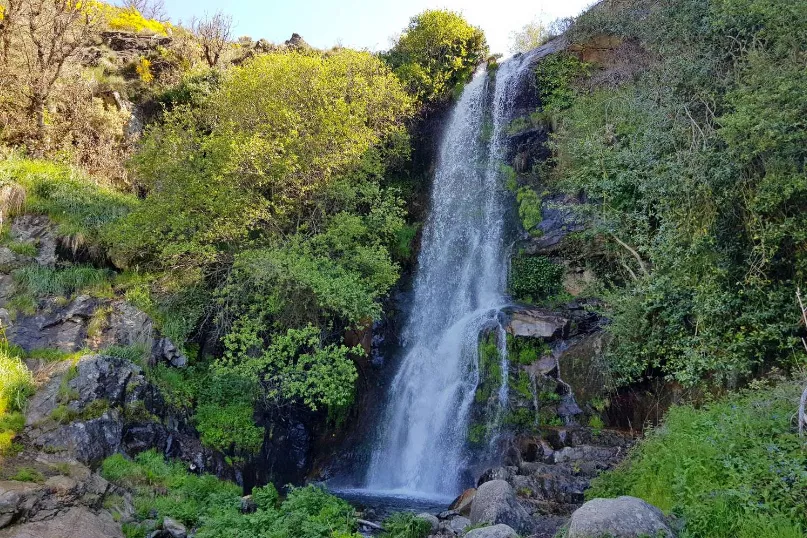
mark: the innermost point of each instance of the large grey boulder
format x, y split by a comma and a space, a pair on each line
431, 518
623, 517
495, 502
494, 531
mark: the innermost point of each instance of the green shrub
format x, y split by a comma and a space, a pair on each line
694, 172
555, 77
227, 427
406, 525
533, 278
732, 469
529, 210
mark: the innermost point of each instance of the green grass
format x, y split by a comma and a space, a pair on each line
23, 249
732, 469
406, 525
45, 281
16, 385
27, 474
79, 205
167, 489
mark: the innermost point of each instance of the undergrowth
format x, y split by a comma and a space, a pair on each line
732, 469
16, 386
213, 506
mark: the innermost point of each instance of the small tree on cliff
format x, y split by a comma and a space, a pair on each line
39, 39
435, 53
214, 34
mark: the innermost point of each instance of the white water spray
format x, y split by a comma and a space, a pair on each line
459, 289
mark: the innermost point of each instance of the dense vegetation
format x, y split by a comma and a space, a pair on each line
214, 507
696, 170
732, 469
437, 54
257, 218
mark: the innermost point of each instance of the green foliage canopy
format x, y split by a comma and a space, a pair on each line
435, 53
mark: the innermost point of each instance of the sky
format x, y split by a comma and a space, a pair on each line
369, 24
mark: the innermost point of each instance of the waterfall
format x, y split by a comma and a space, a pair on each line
458, 291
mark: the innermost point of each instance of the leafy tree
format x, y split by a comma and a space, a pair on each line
532, 35
256, 154
295, 365
436, 52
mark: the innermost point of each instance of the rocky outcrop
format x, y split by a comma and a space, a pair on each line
538, 323
105, 405
67, 327
549, 473
623, 517
59, 505
495, 502
69, 525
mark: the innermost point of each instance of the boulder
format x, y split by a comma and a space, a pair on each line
494, 531
623, 517
537, 323
495, 502
462, 504
497, 473
77, 521
458, 525
432, 519
17, 500
174, 528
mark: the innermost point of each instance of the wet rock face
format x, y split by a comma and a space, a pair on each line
623, 517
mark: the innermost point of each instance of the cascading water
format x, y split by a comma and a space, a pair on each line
459, 289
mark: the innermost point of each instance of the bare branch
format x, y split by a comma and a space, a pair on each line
150, 9
214, 34
803, 402
635, 254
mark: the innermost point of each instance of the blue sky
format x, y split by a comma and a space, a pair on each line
368, 23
